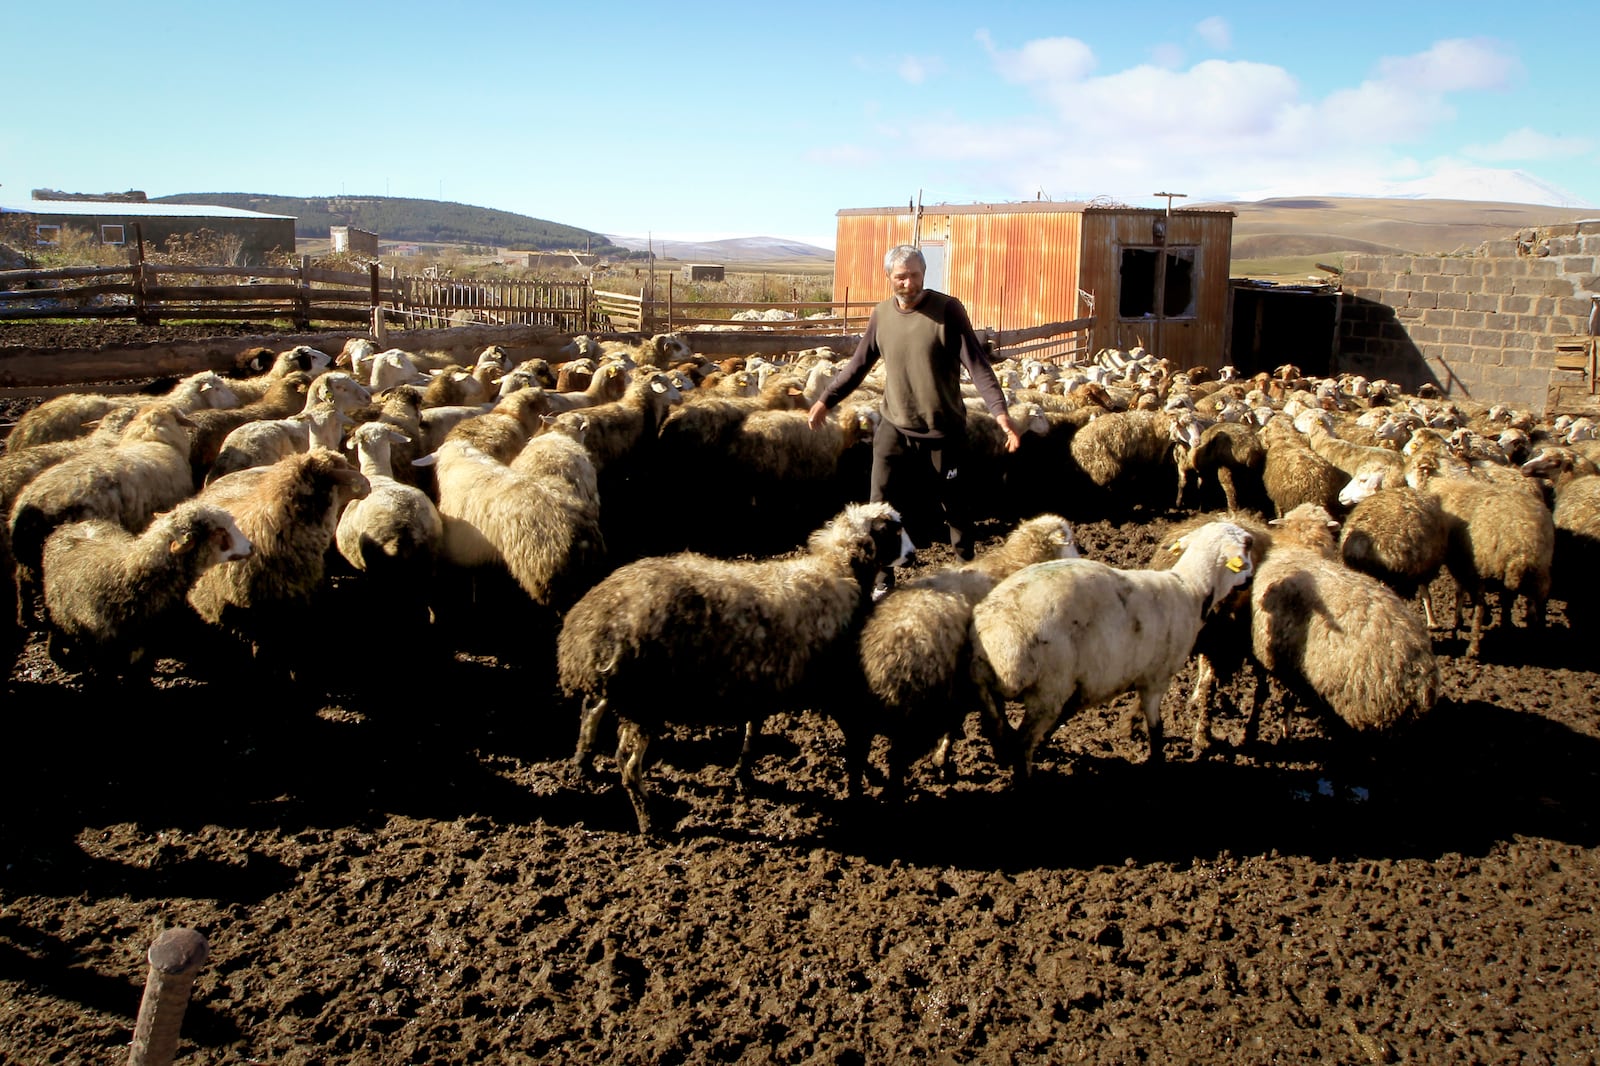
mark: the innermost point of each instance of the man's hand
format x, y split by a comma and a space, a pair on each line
818, 413
1013, 440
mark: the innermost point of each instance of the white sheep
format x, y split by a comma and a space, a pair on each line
915, 649
1063, 635
394, 532
76, 415
748, 638
264, 442
270, 368
106, 589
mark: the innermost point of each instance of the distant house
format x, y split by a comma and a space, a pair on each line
115, 223
703, 272
1146, 276
352, 240
552, 260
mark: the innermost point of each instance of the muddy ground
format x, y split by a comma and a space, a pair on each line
392, 864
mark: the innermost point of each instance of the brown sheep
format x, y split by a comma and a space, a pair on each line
744, 637
106, 589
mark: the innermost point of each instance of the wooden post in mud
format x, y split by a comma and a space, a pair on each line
175, 959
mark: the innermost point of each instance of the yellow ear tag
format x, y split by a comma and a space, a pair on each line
1236, 564
1177, 547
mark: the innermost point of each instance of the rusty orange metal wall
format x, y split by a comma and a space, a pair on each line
1186, 342
858, 255
1024, 266
1009, 269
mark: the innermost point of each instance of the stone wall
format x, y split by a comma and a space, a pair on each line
1510, 323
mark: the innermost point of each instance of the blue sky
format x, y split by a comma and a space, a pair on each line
704, 120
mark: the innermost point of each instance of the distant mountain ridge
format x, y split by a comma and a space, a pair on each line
1281, 226
729, 250
395, 218
1317, 225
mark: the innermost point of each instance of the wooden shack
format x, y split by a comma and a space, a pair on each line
1146, 276
703, 272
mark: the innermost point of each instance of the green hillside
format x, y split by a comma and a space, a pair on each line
395, 218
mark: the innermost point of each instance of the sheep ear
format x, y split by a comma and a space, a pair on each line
425, 460
181, 544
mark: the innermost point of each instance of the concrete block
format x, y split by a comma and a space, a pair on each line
1506, 249
1504, 323
1423, 335
1516, 305
1423, 299
1578, 265
1438, 283
1455, 336
1425, 265
1470, 319
1559, 287
1483, 301
1455, 265
1455, 301
1439, 317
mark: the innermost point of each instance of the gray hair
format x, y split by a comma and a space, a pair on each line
903, 253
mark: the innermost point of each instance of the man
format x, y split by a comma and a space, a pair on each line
924, 339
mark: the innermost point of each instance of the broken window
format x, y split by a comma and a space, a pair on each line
1157, 282
45, 233
110, 234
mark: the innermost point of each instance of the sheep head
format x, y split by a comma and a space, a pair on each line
1216, 558
868, 535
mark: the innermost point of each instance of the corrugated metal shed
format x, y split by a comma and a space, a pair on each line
1146, 276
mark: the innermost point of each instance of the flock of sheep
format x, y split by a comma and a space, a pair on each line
649, 501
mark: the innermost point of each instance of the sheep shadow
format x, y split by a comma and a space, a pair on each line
1471, 775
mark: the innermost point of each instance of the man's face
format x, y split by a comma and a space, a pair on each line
905, 281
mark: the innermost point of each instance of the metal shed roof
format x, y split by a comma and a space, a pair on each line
129, 209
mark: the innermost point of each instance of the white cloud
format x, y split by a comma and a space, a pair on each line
1224, 129
917, 69
1047, 60
1452, 66
1167, 56
1215, 32
1527, 143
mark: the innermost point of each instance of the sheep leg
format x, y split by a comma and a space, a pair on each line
1231, 494
1476, 634
1150, 701
942, 760
632, 742
1039, 722
743, 770
1425, 594
1200, 701
594, 714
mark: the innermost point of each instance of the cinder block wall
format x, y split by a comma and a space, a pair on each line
1483, 327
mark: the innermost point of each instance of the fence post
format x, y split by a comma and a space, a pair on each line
175, 959
303, 298
669, 303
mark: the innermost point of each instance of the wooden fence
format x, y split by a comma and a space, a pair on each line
150, 292
433, 302
636, 312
